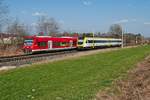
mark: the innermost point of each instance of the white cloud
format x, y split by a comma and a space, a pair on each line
133, 20
61, 21
146, 23
24, 12
125, 21
86, 3
122, 21
33, 24
38, 14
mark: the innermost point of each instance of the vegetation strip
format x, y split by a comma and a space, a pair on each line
74, 79
135, 86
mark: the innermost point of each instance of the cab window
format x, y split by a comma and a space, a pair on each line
28, 42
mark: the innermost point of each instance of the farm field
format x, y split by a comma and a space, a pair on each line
73, 79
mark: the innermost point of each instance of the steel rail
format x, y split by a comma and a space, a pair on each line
26, 59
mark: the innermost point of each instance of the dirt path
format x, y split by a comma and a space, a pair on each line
135, 87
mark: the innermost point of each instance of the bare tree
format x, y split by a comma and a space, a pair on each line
3, 20
115, 30
19, 30
47, 25
3, 14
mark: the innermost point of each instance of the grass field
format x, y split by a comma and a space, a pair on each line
74, 79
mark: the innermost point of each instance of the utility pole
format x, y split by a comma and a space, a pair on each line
122, 39
47, 31
136, 39
93, 38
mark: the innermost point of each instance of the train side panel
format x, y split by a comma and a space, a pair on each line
90, 42
41, 43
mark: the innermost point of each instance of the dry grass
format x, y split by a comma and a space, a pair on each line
10, 51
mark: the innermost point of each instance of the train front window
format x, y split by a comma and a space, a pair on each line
28, 42
80, 42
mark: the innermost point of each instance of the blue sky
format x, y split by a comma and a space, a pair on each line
86, 15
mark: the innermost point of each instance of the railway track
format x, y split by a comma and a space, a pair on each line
28, 59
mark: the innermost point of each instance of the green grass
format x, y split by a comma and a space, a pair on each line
74, 79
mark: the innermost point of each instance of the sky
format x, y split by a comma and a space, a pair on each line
86, 15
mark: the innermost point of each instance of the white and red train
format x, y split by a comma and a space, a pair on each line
47, 43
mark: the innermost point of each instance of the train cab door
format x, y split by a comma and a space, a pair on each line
71, 43
50, 44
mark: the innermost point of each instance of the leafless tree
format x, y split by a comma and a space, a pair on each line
3, 20
115, 30
47, 25
3, 14
19, 30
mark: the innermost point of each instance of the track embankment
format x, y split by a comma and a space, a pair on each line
24, 60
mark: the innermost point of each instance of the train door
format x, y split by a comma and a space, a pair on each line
50, 44
71, 43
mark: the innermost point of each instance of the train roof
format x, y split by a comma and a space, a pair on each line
47, 37
99, 38
44, 36
67, 37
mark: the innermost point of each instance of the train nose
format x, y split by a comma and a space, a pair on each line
27, 50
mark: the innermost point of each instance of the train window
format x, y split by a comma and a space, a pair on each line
60, 43
102, 41
115, 41
41, 44
63, 43
28, 42
119, 41
90, 41
105, 41
56, 43
80, 43
96, 41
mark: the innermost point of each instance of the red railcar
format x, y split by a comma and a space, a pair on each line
48, 43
